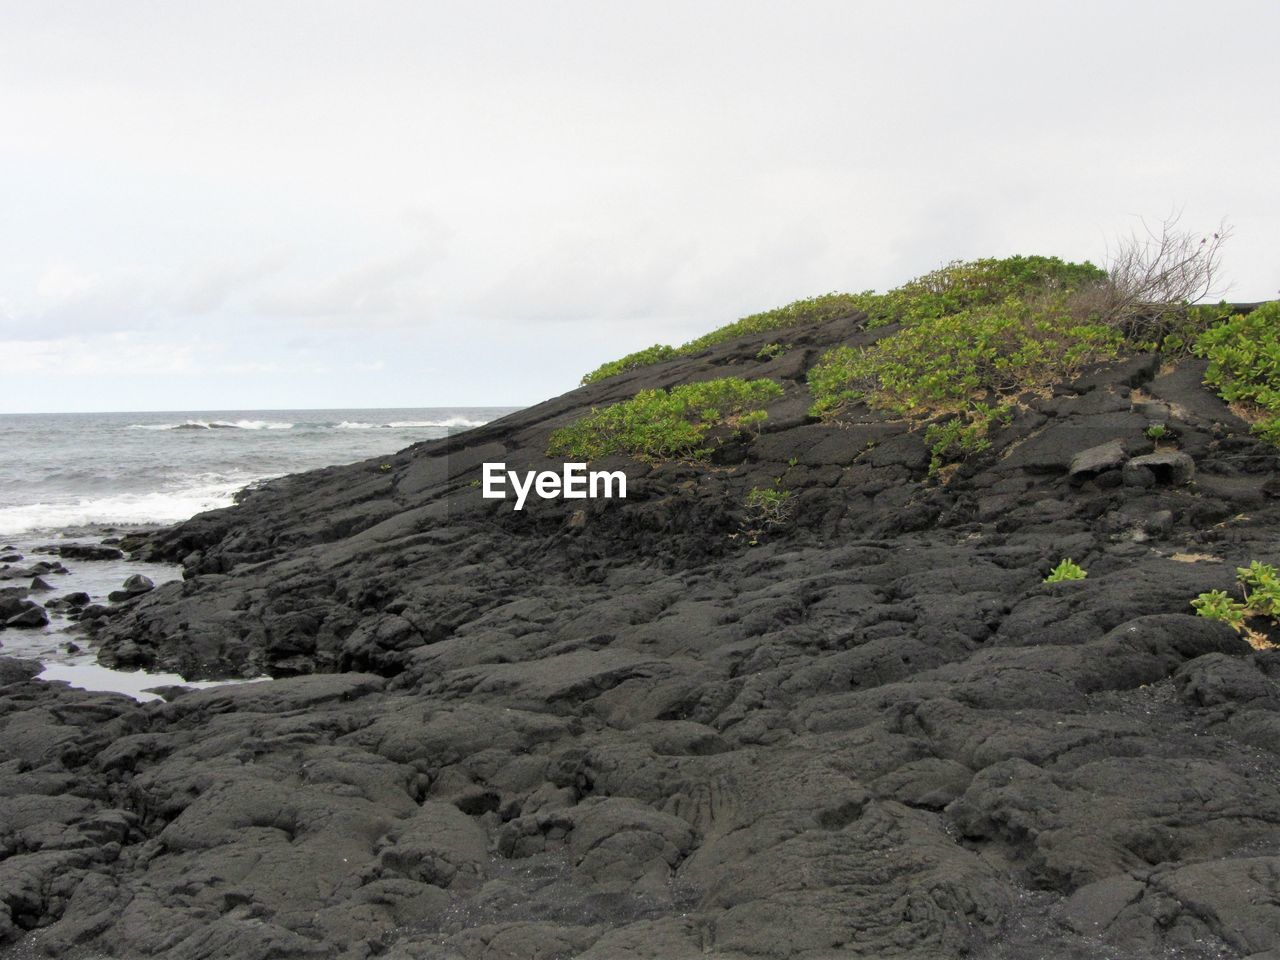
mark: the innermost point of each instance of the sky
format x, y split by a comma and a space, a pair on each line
277, 204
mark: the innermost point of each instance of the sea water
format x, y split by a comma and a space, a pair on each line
84, 476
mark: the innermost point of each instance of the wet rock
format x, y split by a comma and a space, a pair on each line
89, 551
15, 670
134, 586
31, 617
38, 585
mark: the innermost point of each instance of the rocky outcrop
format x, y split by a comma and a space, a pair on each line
662, 727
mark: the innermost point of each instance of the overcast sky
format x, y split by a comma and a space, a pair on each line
210, 205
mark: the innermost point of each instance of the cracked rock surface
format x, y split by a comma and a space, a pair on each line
655, 728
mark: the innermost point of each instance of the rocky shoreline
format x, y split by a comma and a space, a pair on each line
676, 727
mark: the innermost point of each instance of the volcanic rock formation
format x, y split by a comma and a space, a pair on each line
665, 728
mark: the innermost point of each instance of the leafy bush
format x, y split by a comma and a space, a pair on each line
963, 436
1067, 569
954, 287
632, 361
962, 285
661, 424
829, 306
1260, 588
771, 351
768, 505
1244, 364
937, 365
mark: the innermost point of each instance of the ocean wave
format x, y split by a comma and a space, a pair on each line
215, 425
122, 509
408, 424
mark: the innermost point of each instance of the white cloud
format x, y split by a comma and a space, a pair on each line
325, 183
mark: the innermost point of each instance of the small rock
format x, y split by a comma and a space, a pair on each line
11, 558
14, 670
1089, 463
134, 586
1171, 468
89, 551
30, 618
38, 585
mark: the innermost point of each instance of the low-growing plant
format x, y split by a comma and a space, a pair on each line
770, 351
1157, 431
769, 505
964, 435
1260, 591
964, 285
828, 306
1244, 365
1067, 569
666, 424
940, 365
632, 361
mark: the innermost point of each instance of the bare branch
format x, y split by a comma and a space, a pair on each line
1157, 273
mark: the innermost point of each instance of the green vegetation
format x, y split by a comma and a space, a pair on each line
957, 286
1260, 589
768, 505
661, 424
964, 285
939, 365
1067, 569
1244, 365
963, 435
829, 306
771, 351
1157, 432
632, 361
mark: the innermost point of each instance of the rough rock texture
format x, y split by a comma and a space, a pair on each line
660, 728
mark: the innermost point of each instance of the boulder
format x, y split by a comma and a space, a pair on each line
134, 586
89, 551
1087, 464
32, 617
1171, 468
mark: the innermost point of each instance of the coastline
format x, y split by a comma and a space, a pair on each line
620, 729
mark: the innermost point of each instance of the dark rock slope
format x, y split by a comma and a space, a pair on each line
661, 728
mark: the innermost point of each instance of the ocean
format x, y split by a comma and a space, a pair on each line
80, 477
74, 473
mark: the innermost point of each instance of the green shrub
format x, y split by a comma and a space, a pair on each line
771, 351
1244, 364
1067, 569
936, 365
1218, 605
1260, 589
828, 306
632, 361
768, 505
962, 285
954, 287
963, 436
661, 424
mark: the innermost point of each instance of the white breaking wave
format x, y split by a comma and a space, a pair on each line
215, 425
409, 424
121, 509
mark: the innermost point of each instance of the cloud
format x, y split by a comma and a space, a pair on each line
119, 354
